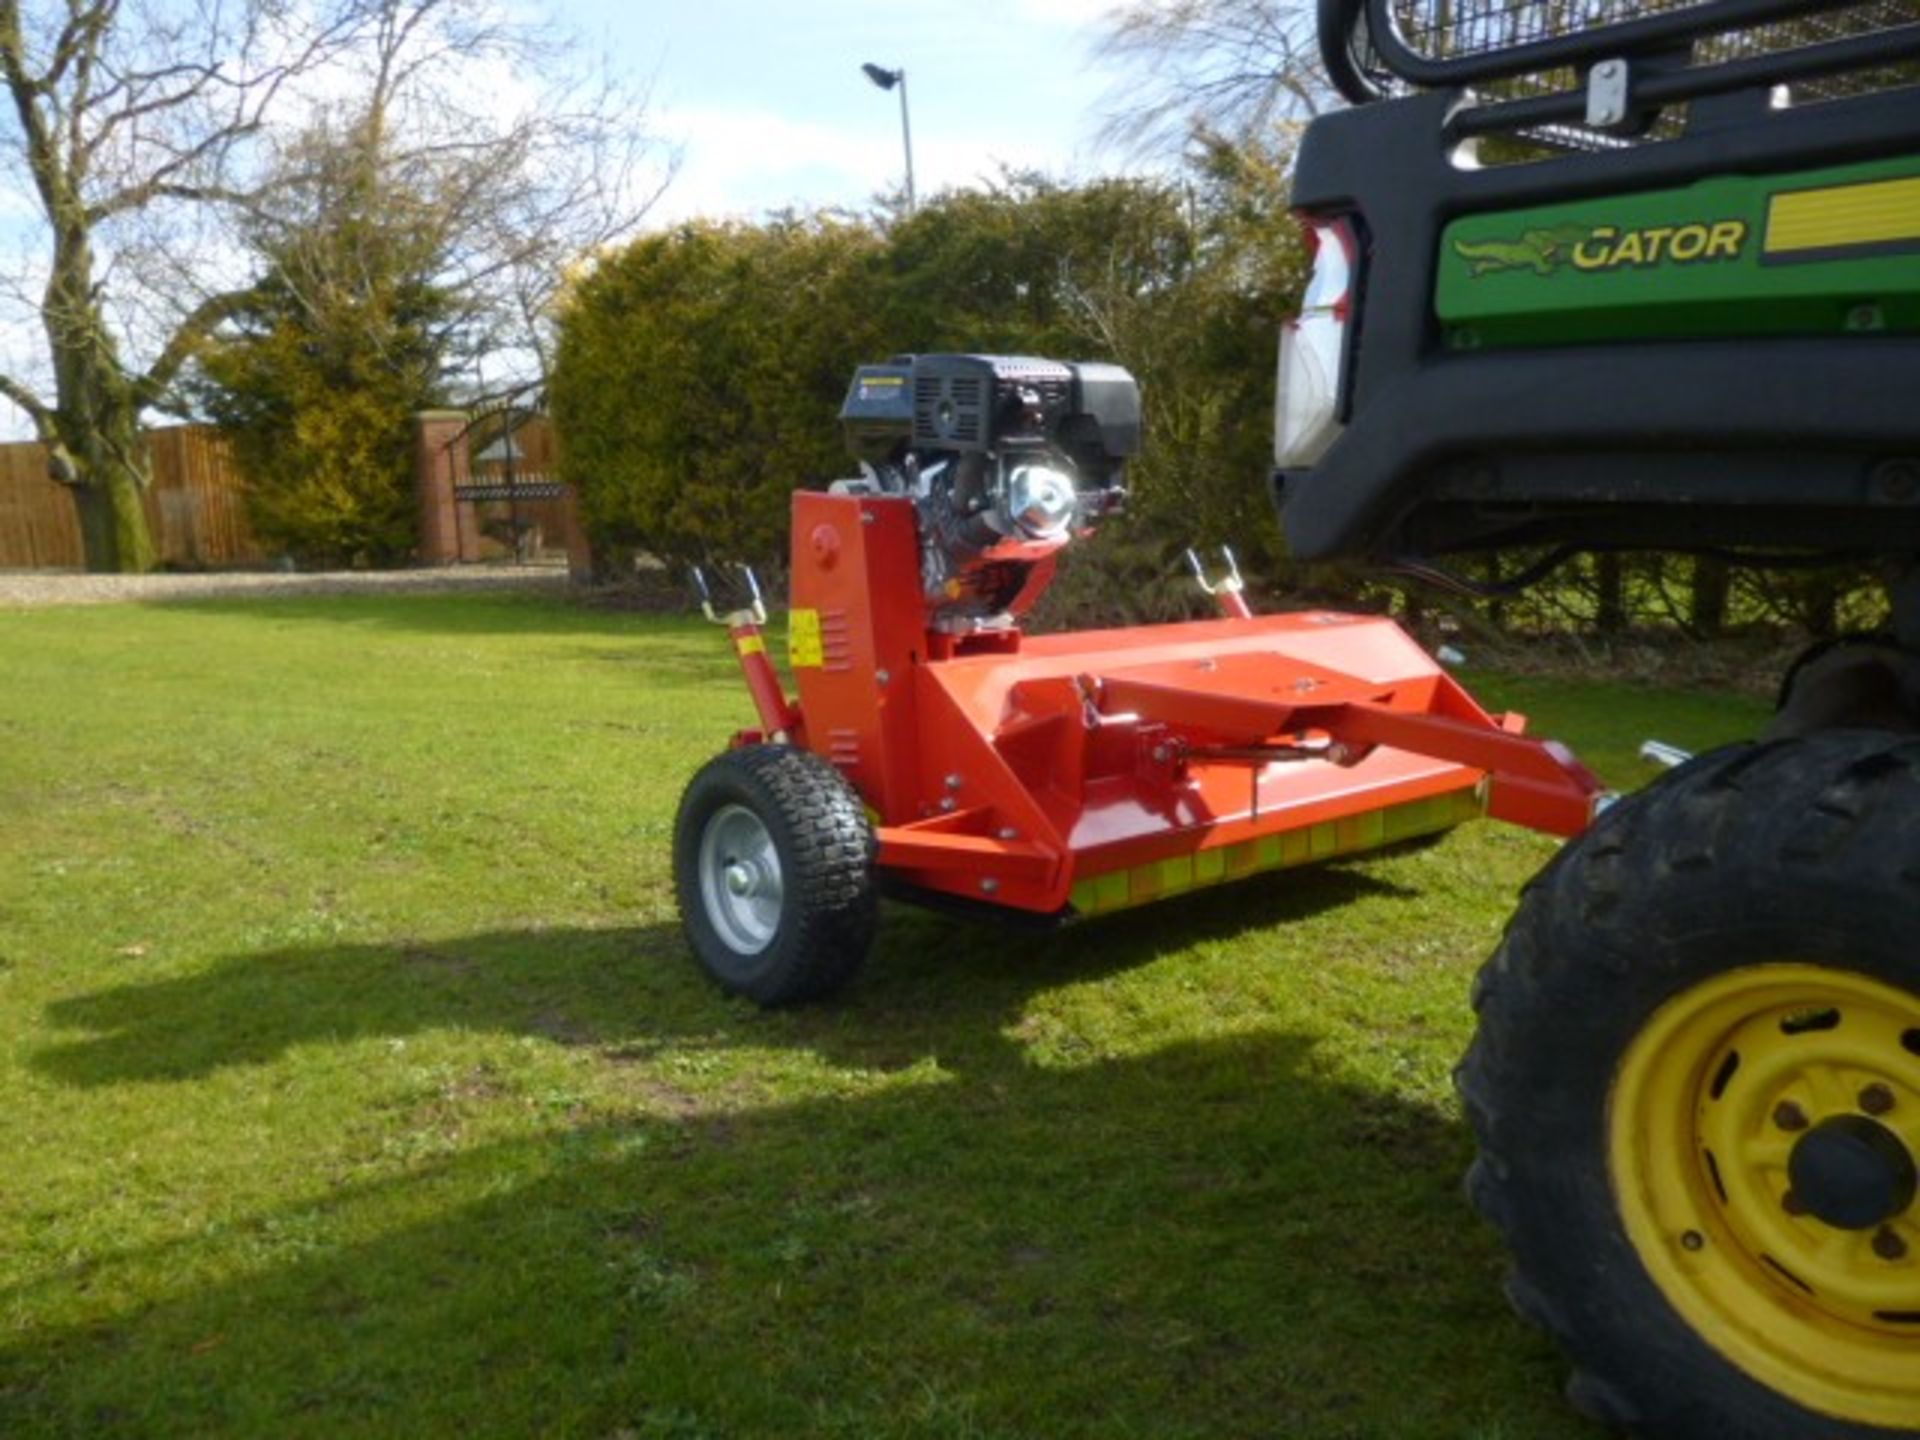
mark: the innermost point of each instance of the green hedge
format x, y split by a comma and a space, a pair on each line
698, 371
696, 379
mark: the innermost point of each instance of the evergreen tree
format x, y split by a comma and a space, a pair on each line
347, 336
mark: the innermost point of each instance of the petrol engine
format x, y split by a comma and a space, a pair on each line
1005, 458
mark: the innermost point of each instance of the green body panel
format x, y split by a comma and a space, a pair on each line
1692, 263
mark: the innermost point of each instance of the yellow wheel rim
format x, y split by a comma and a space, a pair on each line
1737, 1091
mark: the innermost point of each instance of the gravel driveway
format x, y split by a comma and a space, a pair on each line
38, 587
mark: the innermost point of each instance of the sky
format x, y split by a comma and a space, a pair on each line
768, 104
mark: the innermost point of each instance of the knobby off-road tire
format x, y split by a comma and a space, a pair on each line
773, 865
1696, 1090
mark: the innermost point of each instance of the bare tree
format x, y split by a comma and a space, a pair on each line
421, 221
147, 131
122, 110
1232, 68
509, 158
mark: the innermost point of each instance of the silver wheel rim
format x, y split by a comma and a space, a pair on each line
740, 881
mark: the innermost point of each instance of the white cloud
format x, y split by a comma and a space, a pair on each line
744, 161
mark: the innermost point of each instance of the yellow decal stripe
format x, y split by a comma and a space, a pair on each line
751, 645
1121, 889
803, 639
1886, 212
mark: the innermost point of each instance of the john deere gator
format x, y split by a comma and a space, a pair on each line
1646, 274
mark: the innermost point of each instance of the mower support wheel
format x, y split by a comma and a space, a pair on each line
773, 865
1696, 1089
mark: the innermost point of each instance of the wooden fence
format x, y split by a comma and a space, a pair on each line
193, 506
197, 512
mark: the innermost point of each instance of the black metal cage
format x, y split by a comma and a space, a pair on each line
1532, 63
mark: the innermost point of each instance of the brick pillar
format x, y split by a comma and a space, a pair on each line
449, 532
579, 549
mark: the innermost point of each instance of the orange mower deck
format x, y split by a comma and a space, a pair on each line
1089, 771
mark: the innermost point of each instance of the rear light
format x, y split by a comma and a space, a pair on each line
1313, 350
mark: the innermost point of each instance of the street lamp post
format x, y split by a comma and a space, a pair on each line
887, 80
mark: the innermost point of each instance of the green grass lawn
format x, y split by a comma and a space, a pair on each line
356, 1080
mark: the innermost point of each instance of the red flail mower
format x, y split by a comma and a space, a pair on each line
940, 752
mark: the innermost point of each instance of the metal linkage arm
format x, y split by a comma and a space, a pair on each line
779, 716
1536, 783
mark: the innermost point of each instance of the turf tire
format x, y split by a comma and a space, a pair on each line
825, 847
1806, 849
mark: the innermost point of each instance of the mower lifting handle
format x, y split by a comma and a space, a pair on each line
1228, 589
779, 716
755, 609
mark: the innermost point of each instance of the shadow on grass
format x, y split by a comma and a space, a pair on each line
1212, 1240
934, 986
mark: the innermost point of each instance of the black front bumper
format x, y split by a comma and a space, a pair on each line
1806, 442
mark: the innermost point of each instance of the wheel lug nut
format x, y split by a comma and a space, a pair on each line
1888, 1245
1876, 1099
1694, 1240
1789, 1116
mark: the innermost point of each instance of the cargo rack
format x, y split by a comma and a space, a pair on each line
1616, 71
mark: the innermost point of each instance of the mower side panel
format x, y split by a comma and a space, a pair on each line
853, 660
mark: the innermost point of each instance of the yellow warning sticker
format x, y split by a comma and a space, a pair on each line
1844, 217
803, 639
